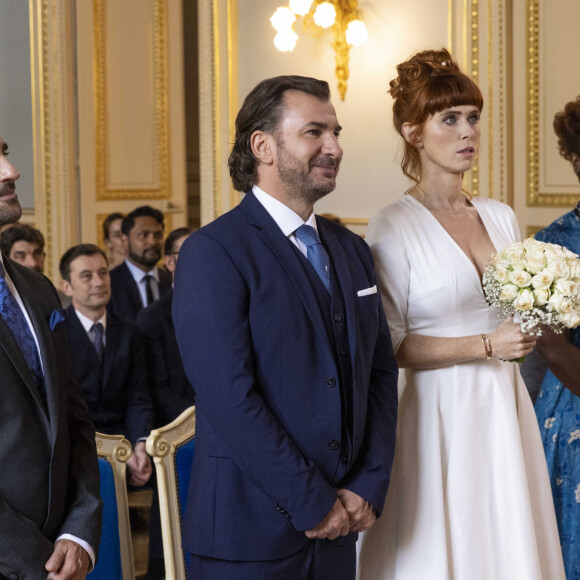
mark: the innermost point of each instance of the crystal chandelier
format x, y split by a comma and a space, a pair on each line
341, 15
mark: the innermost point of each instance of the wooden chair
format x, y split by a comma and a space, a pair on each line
172, 448
115, 561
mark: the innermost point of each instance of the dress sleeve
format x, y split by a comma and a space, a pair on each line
393, 272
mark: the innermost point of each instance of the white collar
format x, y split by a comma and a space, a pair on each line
138, 274
88, 323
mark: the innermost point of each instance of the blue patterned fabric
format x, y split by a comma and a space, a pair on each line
109, 563
16, 322
316, 253
183, 464
558, 412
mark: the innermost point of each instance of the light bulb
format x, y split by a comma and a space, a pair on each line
282, 19
285, 40
324, 15
356, 33
300, 7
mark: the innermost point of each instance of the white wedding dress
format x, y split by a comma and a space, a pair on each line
470, 497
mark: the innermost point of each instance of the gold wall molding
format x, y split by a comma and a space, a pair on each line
218, 90
54, 126
535, 197
105, 190
531, 231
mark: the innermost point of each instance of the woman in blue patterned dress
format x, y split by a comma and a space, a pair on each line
558, 404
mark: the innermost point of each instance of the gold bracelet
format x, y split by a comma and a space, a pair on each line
487, 346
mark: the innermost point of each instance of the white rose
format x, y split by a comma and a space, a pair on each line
570, 320
514, 253
555, 301
531, 244
566, 306
566, 287
524, 300
541, 297
559, 269
574, 268
501, 274
553, 252
535, 266
509, 292
542, 280
520, 278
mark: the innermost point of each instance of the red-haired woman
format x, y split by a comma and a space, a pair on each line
470, 496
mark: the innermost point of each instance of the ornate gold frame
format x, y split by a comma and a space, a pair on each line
103, 192
535, 196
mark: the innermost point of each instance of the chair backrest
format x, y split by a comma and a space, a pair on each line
172, 448
115, 561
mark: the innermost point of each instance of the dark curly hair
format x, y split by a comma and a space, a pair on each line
567, 129
262, 110
427, 83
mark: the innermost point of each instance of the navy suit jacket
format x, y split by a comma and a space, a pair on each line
125, 298
116, 392
171, 392
255, 348
49, 484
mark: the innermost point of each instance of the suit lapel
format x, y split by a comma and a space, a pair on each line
341, 266
129, 282
112, 335
281, 247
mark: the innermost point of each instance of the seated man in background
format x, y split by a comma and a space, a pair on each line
107, 356
25, 245
172, 393
137, 282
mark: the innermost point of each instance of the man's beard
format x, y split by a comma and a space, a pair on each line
10, 210
144, 261
300, 183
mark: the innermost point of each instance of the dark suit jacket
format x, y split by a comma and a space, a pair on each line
255, 347
172, 393
49, 483
116, 393
125, 298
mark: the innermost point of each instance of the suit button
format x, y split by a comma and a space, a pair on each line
338, 317
334, 444
331, 382
342, 351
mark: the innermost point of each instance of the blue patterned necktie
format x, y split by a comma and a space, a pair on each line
97, 332
16, 322
316, 253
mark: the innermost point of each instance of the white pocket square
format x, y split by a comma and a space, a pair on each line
367, 291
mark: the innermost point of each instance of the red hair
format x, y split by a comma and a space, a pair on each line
427, 83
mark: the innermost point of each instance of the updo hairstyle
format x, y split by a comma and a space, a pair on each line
427, 83
567, 129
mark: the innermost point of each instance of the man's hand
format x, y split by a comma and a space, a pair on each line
68, 561
334, 524
361, 514
139, 465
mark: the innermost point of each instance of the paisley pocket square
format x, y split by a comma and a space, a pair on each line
57, 319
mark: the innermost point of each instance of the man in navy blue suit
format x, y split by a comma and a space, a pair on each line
138, 282
107, 356
284, 339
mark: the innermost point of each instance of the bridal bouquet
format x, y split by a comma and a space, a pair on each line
536, 282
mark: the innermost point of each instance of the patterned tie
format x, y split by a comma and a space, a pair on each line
316, 253
97, 332
16, 322
149, 289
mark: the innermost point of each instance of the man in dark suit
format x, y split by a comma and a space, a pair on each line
283, 336
137, 282
107, 356
50, 509
172, 393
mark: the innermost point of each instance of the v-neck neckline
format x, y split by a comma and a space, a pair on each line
450, 237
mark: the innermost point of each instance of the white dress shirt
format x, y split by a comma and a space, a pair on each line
286, 219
